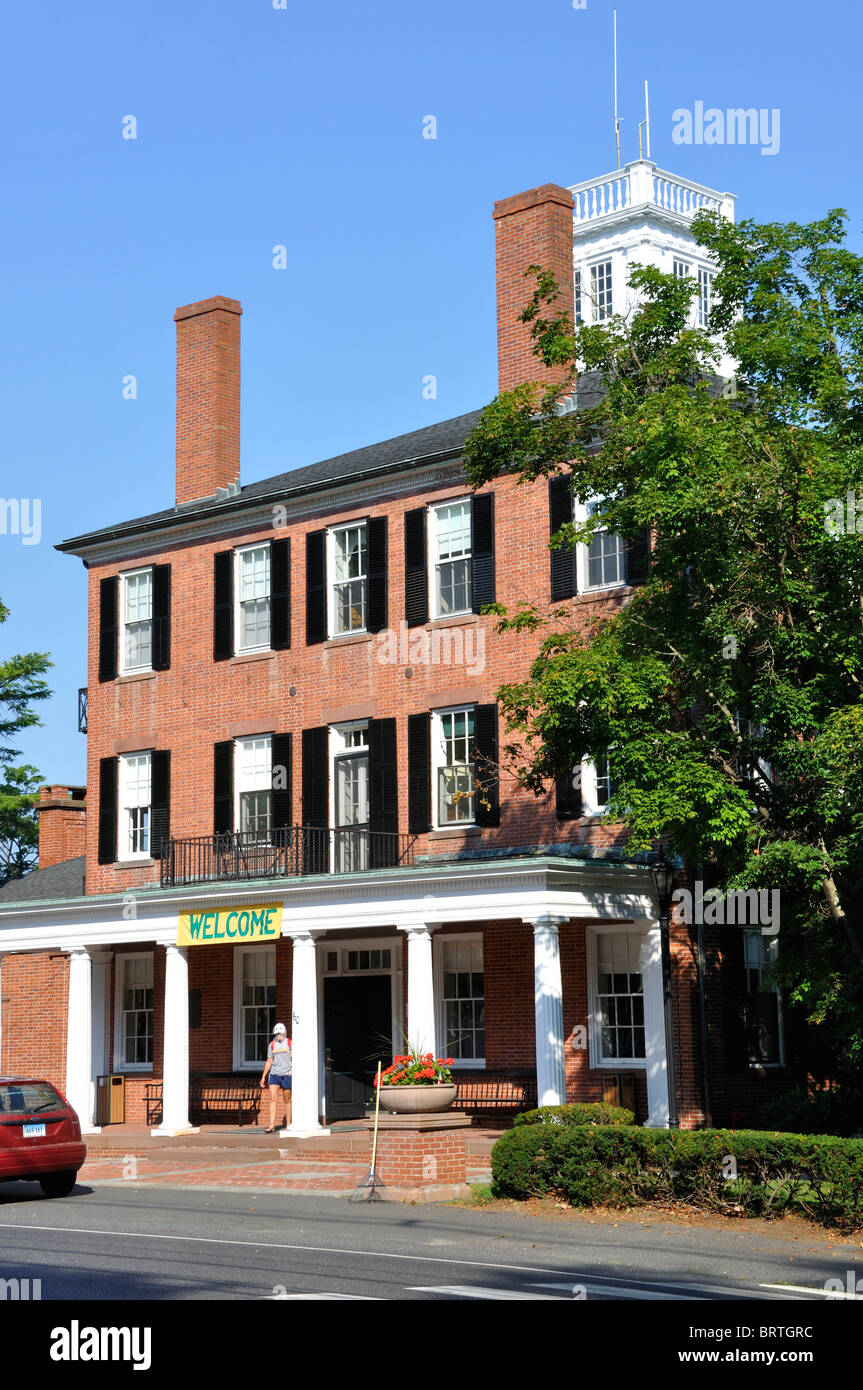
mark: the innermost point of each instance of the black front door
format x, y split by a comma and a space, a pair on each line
358, 1026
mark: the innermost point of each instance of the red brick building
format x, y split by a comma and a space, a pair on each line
294, 807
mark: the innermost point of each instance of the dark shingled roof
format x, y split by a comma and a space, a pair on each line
441, 441
64, 880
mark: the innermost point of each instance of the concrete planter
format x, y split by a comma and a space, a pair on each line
417, 1100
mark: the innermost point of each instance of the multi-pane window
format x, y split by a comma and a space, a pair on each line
595, 781
600, 290
463, 998
705, 296
135, 993
620, 995
254, 782
349, 559
134, 805
451, 557
253, 597
681, 269
455, 771
606, 557
367, 960
579, 315
763, 1004
137, 638
351, 796
257, 1005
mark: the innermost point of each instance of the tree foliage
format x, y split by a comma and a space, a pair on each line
21, 686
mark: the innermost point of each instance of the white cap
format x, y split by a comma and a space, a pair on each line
280, 1028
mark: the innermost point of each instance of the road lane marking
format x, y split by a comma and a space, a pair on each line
475, 1291
817, 1293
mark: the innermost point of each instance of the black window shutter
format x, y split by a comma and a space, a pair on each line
107, 810
223, 605
108, 589
564, 583
568, 794
161, 617
638, 557
735, 1013
223, 787
482, 549
487, 796
316, 779
280, 603
419, 773
383, 793
283, 810
160, 801
376, 543
416, 568
316, 587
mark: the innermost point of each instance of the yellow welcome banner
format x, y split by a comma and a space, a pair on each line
223, 925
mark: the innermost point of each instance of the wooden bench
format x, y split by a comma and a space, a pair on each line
208, 1094
495, 1090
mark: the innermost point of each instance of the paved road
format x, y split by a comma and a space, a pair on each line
136, 1242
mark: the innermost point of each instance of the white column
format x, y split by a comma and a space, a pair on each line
305, 1041
175, 1065
548, 1009
79, 1064
654, 1029
421, 1030
100, 992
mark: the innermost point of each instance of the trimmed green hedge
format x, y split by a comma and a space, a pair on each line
734, 1172
595, 1113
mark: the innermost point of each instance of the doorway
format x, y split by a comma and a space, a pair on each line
358, 1027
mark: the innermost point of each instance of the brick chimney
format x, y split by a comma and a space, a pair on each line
208, 397
62, 813
533, 228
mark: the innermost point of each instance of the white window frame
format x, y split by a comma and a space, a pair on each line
119, 1012
770, 952
704, 298
591, 805
437, 761
361, 524
433, 561
123, 667
241, 746
124, 854
593, 270
582, 511
238, 601
597, 1060
578, 294
680, 269
240, 952
339, 745
438, 943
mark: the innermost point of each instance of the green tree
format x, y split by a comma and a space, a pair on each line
727, 690
21, 686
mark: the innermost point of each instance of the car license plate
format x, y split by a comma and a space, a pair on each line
34, 1131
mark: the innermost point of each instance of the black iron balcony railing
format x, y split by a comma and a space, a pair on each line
82, 709
292, 850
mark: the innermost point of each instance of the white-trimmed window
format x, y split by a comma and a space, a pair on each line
600, 291
450, 557
705, 296
462, 999
680, 269
254, 1005
252, 587
133, 1014
576, 288
765, 1040
349, 784
134, 805
601, 562
595, 786
136, 637
347, 557
616, 988
453, 766
253, 786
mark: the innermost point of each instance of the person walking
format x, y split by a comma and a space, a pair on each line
278, 1074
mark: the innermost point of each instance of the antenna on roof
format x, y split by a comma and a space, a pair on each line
644, 123
616, 117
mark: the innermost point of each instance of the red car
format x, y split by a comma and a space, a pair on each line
40, 1137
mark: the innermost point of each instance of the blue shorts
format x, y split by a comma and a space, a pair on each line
283, 1081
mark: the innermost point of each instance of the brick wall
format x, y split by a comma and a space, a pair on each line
208, 397
34, 988
62, 815
531, 228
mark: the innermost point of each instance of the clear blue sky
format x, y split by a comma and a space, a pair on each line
303, 126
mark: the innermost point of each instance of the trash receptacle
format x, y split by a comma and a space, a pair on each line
110, 1100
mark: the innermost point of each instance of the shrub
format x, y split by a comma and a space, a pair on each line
827, 1112
732, 1172
590, 1114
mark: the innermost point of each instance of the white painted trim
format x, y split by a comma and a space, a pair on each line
237, 552
238, 1034
122, 668
437, 751
431, 555
438, 943
594, 1031
330, 576
127, 1068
